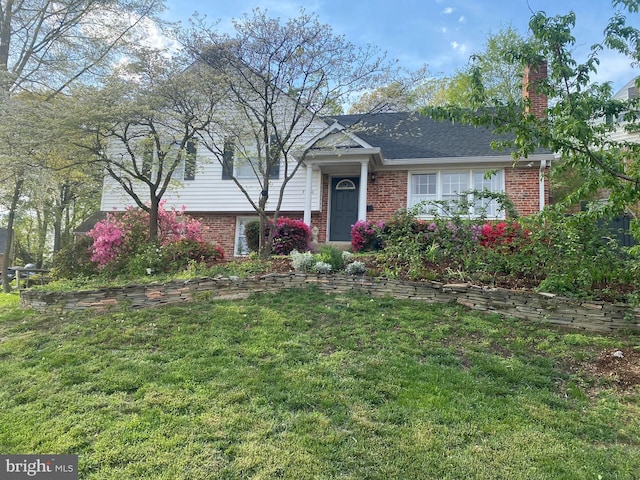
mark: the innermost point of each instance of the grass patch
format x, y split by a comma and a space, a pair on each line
305, 385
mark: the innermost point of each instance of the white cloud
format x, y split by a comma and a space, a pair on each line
459, 47
448, 11
462, 19
443, 30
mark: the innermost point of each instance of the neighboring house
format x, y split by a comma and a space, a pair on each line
89, 223
361, 168
627, 92
3, 245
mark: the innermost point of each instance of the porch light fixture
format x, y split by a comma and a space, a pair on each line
372, 177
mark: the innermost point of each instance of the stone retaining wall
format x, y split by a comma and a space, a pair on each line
530, 306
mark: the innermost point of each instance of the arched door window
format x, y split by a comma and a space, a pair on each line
345, 184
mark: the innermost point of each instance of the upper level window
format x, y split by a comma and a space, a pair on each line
185, 169
243, 166
449, 187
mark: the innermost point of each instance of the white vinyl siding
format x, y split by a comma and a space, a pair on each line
207, 192
448, 186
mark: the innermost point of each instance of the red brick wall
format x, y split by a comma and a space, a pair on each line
523, 187
219, 229
387, 195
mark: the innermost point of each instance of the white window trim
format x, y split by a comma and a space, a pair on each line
238, 252
470, 184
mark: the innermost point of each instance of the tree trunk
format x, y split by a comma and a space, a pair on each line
153, 218
17, 191
43, 227
57, 229
61, 206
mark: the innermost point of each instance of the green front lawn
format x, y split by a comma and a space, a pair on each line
303, 385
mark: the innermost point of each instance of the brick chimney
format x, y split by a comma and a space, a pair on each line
531, 79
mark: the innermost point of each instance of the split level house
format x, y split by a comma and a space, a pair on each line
359, 168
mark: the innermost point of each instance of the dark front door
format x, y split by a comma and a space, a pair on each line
344, 208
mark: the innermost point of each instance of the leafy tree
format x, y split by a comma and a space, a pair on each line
500, 71
502, 76
143, 126
585, 125
407, 92
280, 78
46, 46
67, 188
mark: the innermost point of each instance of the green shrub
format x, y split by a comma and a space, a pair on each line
146, 256
332, 256
181, 253
74, 260
252, 235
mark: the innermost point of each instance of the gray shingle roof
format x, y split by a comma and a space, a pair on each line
410, 135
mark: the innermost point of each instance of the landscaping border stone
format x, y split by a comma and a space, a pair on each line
525, 305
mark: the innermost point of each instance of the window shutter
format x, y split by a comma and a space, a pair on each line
274, 150
190, 161
227, 160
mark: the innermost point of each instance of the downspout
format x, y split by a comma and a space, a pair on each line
543, 166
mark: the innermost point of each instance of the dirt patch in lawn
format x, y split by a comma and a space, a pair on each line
621, 366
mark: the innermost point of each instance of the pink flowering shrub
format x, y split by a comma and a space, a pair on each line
365, 236
108, 238
123, 238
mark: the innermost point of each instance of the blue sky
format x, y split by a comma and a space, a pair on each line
439, 33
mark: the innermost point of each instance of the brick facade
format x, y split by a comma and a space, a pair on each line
219, 229
523, 187
386, 195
